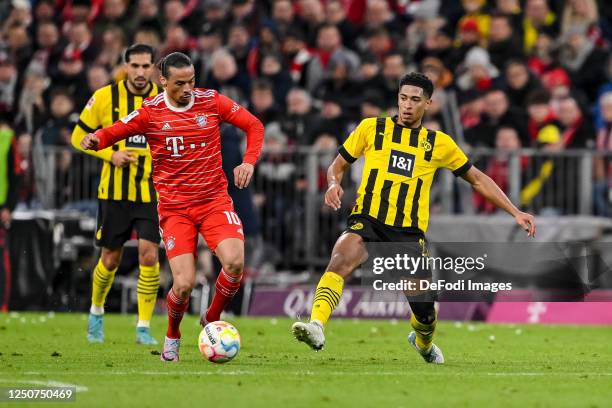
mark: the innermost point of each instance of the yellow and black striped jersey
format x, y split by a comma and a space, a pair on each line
400, 164
105, 107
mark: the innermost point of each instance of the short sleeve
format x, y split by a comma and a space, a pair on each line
452, 157
354, 146
89, 120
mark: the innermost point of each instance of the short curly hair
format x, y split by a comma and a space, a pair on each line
420, 80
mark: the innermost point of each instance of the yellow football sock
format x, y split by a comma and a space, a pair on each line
102, 282
148, 284
424, 332
326, 296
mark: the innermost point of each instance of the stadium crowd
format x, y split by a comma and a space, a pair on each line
508, 73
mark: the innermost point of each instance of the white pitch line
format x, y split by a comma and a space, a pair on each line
50, 383
324, 373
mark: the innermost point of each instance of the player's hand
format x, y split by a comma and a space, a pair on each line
527, 221
122, 158
333, 195
90, 142
243, 174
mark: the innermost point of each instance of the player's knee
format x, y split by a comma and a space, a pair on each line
341, 265
183, 289
234, 266
148, 257
111, 259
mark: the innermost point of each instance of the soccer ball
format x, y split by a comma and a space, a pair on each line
219, 342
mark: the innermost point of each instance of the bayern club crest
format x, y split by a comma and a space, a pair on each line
201, 120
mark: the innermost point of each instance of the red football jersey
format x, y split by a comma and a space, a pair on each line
185, 143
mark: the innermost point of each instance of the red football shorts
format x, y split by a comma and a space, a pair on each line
215, 220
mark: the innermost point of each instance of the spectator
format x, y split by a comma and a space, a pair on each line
577, 128
284, 17
297, 55
210, 39
479, 73
330, 46
506, 141
538, 17
504, 45
32, 110
239, 44
272, 70
584, 62
19, 45
113, 45
580, 13
97, 77
379, 43
48, 45
335, 13
497, 113
224, 76
300, 119
519, 82
262, 102
380, 15
8, 86
114, 12
58, 129
147, 35
394, 68
147, 14
542, 124
71, 76
314, 17
81, 42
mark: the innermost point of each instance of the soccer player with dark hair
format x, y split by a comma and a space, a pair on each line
401, 158
182, 129
126, 197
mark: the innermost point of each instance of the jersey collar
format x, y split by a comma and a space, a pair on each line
396, 122
174, 108
145, 95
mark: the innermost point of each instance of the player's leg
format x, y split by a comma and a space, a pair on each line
183, 275
230, 252
180, 238
222, 229
113, 231
349, 252
423, 321
148, 285
102, 280
147, 227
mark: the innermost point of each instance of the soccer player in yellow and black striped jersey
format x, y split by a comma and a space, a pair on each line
126, 196
392, 205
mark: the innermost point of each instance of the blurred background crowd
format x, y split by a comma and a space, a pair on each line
508, 75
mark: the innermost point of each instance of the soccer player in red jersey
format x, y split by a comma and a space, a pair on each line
182, 128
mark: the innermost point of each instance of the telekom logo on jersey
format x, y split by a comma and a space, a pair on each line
176, 145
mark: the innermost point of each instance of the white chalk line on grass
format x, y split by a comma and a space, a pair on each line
324, 373
50, 383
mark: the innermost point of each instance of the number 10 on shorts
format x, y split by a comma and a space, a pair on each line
232, 218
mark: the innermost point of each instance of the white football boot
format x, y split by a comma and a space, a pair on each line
433, 356
309, 333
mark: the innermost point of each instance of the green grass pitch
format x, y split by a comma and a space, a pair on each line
364, 364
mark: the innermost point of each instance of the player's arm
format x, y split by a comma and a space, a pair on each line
136, 123
484, 185
352, 148
89, 121
233, 113
335, 173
